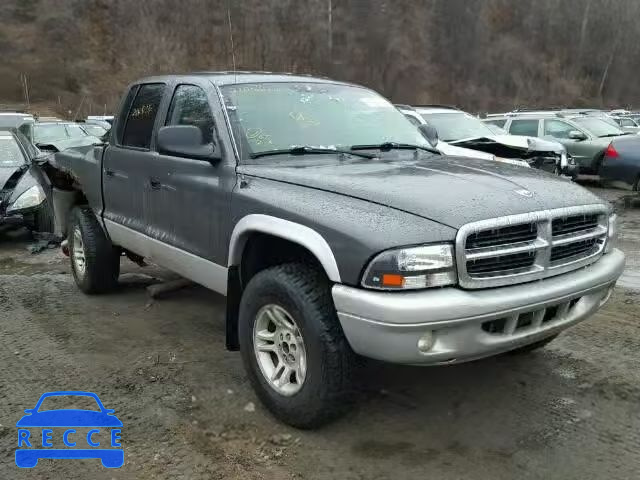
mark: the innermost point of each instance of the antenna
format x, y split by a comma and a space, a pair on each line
233, 49
235, 74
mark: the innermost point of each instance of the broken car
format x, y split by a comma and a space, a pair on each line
23, 198
463, 130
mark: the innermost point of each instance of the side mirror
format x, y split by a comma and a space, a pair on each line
185, 141
577, 135
430, 133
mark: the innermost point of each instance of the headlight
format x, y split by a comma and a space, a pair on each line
612, 234
412, 268
33, 197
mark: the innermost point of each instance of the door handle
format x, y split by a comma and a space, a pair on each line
155, 183
110, 173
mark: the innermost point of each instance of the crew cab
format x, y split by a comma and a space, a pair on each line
334, 229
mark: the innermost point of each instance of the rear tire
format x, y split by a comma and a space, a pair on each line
533, 346
95, 262
301, 295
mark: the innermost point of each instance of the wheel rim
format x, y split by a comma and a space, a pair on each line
279, 349
79, 259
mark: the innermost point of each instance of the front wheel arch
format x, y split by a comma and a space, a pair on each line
259, 252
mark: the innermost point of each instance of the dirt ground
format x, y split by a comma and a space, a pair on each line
570, 411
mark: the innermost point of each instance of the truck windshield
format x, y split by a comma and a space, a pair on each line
279, 116
49, 132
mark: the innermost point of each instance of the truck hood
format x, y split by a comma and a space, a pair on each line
452, 191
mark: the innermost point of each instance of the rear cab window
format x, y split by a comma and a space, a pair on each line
527, 128
141, 118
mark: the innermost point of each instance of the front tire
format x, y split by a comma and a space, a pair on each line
95, 262
293, 348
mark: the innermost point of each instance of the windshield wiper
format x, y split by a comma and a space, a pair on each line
387, 146
308, 151
613, 135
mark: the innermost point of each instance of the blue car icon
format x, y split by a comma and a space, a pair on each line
35, 448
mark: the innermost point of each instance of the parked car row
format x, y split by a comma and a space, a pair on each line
463, 134
593, 138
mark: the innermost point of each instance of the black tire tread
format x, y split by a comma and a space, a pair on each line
102, 258
311, 285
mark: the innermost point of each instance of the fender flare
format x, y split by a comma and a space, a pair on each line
294, 232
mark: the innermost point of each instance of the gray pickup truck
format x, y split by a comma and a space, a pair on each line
333, 228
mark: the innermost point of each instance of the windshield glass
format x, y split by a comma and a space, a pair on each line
598, 127
95, 130
10, 153
456, 126
49, 132
275, 116
75, 130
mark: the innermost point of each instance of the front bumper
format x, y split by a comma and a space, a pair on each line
471, 324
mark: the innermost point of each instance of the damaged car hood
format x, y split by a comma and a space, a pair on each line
450, 190
519, 144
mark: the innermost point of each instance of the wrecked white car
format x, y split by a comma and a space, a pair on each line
460, 129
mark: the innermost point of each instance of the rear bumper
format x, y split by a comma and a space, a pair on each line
470, 324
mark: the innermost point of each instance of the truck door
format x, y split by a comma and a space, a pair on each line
124, 163
189, 199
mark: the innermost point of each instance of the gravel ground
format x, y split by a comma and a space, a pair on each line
569, 411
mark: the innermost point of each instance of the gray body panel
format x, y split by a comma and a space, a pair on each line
355, 229
452, 191
84, 165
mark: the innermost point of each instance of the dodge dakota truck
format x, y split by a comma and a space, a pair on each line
333, 227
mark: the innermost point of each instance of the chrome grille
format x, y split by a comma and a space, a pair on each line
498, 236
522, 248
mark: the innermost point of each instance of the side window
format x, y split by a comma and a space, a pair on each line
190, 106
498, 123
524, 127
558, 129
625, 122
142, 115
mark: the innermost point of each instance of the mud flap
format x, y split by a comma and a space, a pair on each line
234, 293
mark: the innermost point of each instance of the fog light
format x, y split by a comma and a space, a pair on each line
425, 342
